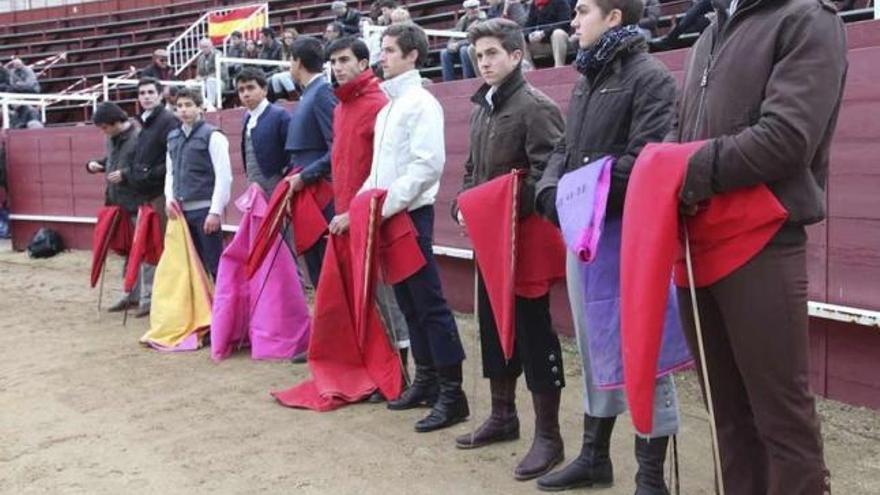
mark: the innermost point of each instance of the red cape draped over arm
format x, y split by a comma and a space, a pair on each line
732, 229
517, 257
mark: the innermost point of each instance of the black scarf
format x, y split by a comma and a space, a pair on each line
591, 60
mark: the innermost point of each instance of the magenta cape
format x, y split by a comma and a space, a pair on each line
731, 229
267, 312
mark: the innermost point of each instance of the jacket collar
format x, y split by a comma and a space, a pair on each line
398, 86
507, 88
633, 46
358, 86
124, 135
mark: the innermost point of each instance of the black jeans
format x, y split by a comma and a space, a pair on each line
432, 330
314, 257
209, 247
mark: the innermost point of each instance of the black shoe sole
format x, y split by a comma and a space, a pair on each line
413, 405
573, 486
507, 437
445, 424
547, 469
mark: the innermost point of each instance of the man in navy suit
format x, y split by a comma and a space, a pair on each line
264, 135
310, 136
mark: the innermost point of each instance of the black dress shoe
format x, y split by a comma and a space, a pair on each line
422, 392
300, 358
122, 305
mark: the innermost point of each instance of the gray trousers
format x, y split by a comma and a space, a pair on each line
607, 403
392, 316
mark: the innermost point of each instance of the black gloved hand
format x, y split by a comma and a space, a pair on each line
546, 205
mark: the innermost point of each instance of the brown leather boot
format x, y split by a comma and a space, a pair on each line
502, 424
547, 449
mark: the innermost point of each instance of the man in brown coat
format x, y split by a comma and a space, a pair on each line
514, 125
763, 86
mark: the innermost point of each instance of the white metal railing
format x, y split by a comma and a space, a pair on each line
876, 9
184, 49
42, 101
373, 37
223, 61
110, 83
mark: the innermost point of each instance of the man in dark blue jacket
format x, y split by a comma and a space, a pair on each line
310, 136
264, 132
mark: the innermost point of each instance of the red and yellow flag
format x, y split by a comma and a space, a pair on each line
220, 25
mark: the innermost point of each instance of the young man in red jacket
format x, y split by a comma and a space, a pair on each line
360, 100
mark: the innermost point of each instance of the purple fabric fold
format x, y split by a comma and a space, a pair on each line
581, 198
268, 312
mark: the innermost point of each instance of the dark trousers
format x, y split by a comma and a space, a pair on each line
432, 330
755, 328
209, 247
536, 346
314, 257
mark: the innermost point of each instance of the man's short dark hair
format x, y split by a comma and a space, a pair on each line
249, 74
409, 37
109, 113
268, 32
357, 46
309, 52
193, 94
505, 31
173, 90
236, 34
146, 81
631, 10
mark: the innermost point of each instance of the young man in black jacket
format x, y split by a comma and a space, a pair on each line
147, 174
624, 99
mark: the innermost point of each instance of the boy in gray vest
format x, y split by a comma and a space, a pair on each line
198, 177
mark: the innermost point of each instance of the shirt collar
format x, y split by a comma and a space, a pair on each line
399, 85
255, 113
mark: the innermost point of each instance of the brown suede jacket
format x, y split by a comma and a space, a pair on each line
764, 86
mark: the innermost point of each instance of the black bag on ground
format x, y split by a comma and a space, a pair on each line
45, 244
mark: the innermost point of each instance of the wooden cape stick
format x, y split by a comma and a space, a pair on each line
716, 453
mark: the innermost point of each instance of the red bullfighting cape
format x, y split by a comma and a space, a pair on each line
517, 257
113, 231
268, 312
304, 209
350, 354
146, 246
732, 229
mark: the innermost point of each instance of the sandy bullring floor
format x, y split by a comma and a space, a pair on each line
85, 409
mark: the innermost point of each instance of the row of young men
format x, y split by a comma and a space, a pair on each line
755, 331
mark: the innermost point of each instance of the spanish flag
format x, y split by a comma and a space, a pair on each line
221, 25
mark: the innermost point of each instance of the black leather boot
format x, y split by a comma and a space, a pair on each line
651, 454
547, 449
592, 467
422, 392
502, 424
451, 406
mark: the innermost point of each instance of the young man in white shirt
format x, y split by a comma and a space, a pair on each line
408, 158
198, 177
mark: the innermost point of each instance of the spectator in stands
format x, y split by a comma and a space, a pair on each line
650, 19
159, 68
694, 21
22, 78
169, 94
642, 110
271, 49
349, 18
457, 49
547, 30
24, 117
252, 50
332, 32
116, 166
400, 15
206, 71
147, 172
385, 7
310, 136
198, 177
508, 9
4, 79
234, 50
264, 134
281, 84
514, 126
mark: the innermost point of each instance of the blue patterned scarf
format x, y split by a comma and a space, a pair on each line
591, 60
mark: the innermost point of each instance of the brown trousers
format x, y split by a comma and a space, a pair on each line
755, 332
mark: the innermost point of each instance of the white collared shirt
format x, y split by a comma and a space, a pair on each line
255, 116
218, 148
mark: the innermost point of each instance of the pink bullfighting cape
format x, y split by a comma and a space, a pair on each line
731, 229
267, 312
517, 256
350, 354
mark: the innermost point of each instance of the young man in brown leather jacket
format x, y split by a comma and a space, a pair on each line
763, 87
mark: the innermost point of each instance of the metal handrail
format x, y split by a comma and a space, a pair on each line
224, 60
40, 100
109, 83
